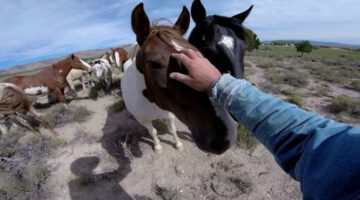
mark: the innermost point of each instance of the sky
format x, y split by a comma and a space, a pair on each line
32, 30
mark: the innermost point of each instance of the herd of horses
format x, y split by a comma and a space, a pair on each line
147, 90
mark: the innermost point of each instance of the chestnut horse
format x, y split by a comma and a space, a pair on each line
222, 40
211, 126
52, 79
13, 101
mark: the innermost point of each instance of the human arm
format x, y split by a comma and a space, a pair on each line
320, 153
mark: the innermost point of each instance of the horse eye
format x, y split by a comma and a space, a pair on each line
154, 65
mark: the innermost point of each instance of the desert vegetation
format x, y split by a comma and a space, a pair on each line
324, 80
101, 151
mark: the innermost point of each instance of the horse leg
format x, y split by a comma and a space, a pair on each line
153, 132
59, 94
70, 84
83, 83
170, 124
39, 118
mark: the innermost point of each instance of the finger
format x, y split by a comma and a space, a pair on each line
199, 54
188, 52
183, 78
182, 58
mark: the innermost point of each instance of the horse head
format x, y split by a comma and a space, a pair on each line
221, 39
77, 63
212, 128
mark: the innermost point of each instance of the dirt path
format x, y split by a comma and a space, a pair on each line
95, 165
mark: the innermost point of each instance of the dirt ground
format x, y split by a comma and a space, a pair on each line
100, 162
110, 156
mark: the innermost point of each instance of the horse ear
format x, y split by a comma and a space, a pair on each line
72, 56
242, 16
198, 12
140, 23
183, 21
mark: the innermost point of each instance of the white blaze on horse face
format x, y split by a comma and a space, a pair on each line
227, 41
177, 46
86, 64
117, 59
36, 90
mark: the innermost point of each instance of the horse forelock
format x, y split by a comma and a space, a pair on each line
170, 36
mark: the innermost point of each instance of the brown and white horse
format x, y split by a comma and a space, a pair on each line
119, 56
212, 127
13, 101
50, 80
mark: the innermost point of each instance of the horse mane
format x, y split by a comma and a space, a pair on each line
61, 64
168, 34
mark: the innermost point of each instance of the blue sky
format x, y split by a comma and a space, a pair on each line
32, 30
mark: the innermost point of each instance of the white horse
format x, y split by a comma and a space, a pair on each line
132, 86
77, 75
102, 70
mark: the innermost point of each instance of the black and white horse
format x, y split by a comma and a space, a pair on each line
220, 39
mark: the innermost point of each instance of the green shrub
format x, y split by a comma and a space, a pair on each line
80, 114
340, 104
60, 115
27, 185
245, 139
98, 90
355, 85
57, 142
355, 107
118, 106
94, 90
297, 99
38, 174
295, 79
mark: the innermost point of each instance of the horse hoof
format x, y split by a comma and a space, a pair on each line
158, 149
180, 147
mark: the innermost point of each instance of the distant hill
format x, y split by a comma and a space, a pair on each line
317, 43
46, 63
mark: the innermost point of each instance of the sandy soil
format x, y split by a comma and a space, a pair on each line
96, 164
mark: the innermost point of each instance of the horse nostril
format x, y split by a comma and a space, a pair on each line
219, 146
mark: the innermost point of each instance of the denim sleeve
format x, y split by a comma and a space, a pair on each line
324, 155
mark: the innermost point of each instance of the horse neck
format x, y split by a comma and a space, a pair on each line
64, 66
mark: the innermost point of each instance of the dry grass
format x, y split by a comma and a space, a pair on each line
245, 139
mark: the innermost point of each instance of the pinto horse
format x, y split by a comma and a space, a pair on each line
211, 126
120, 56
222, 40
132, 86
13, 101
50, 80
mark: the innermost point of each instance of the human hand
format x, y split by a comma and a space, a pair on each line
201, 72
